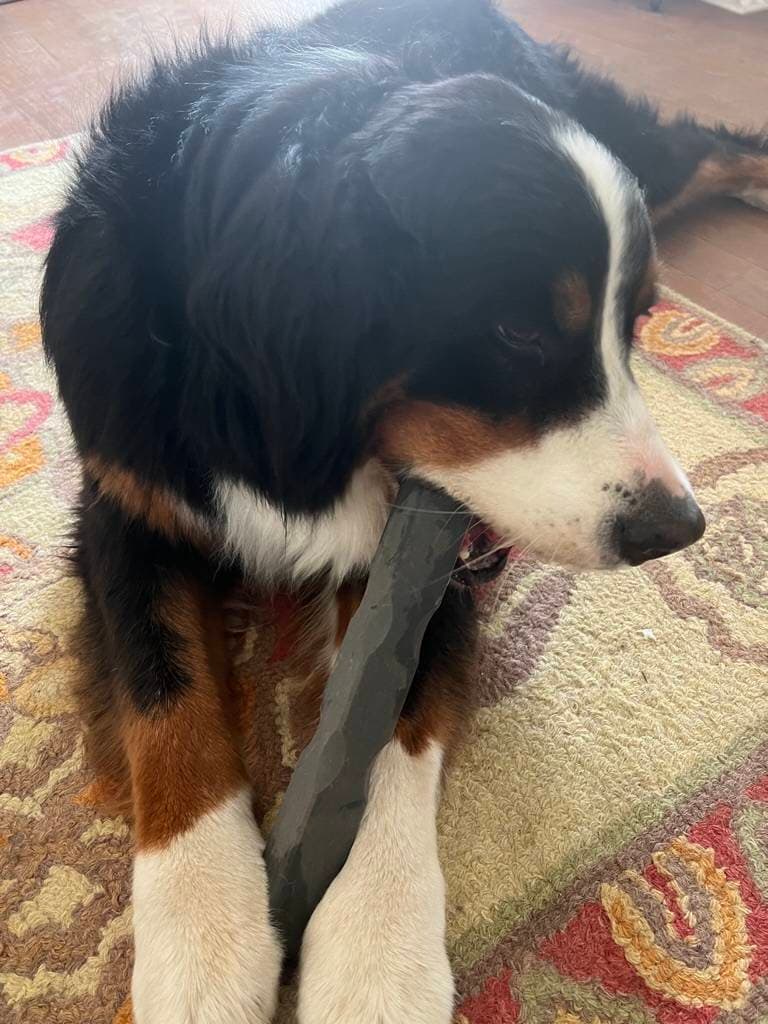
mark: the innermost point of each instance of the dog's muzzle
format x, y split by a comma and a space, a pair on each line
659, 524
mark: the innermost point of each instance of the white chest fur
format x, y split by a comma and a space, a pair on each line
272, 546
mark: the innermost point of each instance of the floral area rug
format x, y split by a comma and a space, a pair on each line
605, 829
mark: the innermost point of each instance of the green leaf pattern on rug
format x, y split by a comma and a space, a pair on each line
751, 826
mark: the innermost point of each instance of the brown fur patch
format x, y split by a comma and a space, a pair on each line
572, 302
151, 503
307, 712
308, 635
95, 696
348, 600
184, 760
419, 432
439, 718
718, 176
439, 702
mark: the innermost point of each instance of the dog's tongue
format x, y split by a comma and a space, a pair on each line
482, 556
478, 540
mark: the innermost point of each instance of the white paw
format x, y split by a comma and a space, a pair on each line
374, 951
755, 197
206, 952
360, 966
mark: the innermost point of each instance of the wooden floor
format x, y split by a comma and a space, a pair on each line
714, 64
58, 58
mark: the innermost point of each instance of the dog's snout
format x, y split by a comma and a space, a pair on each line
658, 524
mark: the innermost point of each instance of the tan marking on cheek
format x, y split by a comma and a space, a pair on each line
718, 176
184, 759
151, 503
572, 302
423, 433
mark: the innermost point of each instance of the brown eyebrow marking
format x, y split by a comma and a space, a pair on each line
424, 433
572, 302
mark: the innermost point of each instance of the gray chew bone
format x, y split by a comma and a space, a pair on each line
324, 803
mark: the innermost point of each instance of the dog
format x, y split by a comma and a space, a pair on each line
398, 239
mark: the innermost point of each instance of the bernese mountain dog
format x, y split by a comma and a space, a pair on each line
400, 238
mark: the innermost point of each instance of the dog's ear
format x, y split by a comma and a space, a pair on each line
287, 297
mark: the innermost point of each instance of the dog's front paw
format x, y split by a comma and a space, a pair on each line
206, 952
374, 950
353, 971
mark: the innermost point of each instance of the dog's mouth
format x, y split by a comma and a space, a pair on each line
483, 555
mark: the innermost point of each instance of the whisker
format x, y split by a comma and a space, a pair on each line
461, 511
504, 543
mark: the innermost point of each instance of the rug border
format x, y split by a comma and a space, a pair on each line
670, 295
34, 145
750, 763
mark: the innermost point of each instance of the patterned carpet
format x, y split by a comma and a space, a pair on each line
605, 830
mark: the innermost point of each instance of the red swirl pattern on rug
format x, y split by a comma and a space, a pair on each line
680, 937
708, 354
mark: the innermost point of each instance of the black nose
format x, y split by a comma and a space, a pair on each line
658, 525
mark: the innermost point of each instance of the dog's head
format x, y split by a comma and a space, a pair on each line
537, 258
463, 271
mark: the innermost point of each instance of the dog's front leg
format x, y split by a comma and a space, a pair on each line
374, 950
206, 952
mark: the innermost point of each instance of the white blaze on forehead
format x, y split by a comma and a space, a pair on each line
617, 196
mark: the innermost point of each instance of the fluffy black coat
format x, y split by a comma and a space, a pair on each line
257, 267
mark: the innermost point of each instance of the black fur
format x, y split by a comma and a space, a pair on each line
131, 574
262, 235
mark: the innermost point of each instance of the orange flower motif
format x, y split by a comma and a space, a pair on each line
34, 156
708, 967
730, 378
25, 335
22, 413
674, 332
